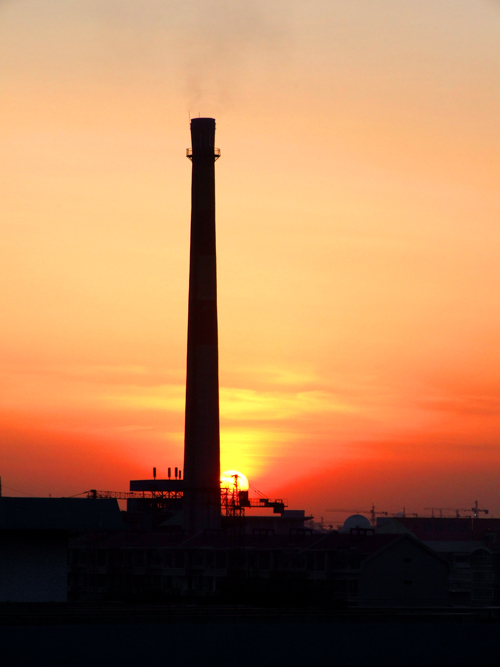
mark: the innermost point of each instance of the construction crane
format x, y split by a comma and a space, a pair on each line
475, 510
125, 495
371, 512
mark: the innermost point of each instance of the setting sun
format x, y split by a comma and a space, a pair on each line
228, 478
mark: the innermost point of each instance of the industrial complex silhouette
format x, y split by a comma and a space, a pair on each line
182, 537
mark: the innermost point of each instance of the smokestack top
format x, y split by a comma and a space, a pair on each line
203, 133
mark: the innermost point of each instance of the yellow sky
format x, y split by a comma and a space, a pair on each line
358, 242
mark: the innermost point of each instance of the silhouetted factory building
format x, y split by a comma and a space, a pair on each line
195, 501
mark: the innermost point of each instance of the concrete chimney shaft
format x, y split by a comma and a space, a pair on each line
202, 507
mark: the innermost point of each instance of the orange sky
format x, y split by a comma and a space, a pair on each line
358, 244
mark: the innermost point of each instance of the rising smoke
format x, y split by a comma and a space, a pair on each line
212, 48
225, 39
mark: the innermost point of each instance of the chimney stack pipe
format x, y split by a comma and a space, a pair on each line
202, 508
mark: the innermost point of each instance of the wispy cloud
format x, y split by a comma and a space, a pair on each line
466, 406
238, 404
169, 398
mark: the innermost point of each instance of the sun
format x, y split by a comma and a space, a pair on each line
227, 479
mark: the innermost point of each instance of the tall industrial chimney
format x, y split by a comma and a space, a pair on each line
202, 508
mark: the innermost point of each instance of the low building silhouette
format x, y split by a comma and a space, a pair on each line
359, 568
34, 541
471, 547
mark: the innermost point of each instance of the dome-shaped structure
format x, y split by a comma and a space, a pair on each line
355, 521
